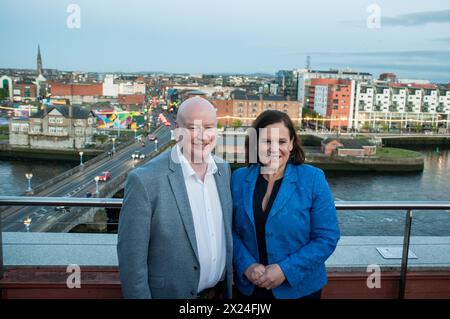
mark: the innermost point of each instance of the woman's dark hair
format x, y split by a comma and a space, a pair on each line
267, 118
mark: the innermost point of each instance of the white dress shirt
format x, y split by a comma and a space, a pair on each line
208, 221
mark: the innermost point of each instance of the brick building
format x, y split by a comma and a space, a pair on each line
246, 108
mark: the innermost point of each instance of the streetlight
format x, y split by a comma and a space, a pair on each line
29, 176
81, 158
156, 144
117, 118
96, 178
114, 145
135, 134
27, 223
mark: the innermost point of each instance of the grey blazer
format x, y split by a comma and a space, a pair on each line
157, 248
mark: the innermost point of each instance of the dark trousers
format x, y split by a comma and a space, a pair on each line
261, 293
214, 293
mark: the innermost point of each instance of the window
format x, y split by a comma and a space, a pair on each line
55, 120
27, 91
55, 130
15, 127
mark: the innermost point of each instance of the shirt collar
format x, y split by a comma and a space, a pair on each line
187, 168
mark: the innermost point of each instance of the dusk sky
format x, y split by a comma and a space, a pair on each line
233, 36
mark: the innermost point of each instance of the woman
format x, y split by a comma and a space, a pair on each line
285, 225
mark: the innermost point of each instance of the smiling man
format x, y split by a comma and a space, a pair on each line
174, 237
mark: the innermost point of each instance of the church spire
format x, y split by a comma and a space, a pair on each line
39, 62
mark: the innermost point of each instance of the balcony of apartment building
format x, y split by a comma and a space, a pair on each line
362, 106
425, 108
378, 107
394, 107
410, 107
40, 265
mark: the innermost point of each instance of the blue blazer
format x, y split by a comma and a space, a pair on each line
301, 230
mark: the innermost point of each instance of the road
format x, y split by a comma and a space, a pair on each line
77, 186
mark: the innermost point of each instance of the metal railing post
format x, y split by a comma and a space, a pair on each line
404, 267
1, 249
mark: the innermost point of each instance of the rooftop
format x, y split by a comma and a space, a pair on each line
78, 112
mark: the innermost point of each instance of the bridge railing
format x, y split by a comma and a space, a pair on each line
407, 207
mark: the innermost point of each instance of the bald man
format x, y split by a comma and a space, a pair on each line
174, 238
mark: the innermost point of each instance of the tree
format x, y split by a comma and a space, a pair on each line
236, 123
417, 127
385, 127
365, 126
219, 125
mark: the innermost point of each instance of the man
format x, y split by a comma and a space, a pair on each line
174, 238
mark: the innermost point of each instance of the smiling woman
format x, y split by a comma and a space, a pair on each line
290, 206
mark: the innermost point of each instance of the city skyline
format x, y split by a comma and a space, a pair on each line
230, 37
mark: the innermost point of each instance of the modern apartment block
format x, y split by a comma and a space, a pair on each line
401, 106
305, 76
333, 99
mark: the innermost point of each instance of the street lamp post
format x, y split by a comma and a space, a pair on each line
118, 134
27, 223
156, 145
29, 176
81, 158
96, 178
114, 145
135, 134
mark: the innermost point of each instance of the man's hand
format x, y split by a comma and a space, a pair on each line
272, 278
254, 272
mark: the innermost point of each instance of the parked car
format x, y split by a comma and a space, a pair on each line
151, 137
104, 176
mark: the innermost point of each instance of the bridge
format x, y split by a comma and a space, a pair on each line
77, 184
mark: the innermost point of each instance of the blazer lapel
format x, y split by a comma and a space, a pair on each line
223, 188
249, 189
179, 191
287, 188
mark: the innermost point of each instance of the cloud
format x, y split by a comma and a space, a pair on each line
417, 18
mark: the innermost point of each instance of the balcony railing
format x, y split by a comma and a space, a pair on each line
407, 206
